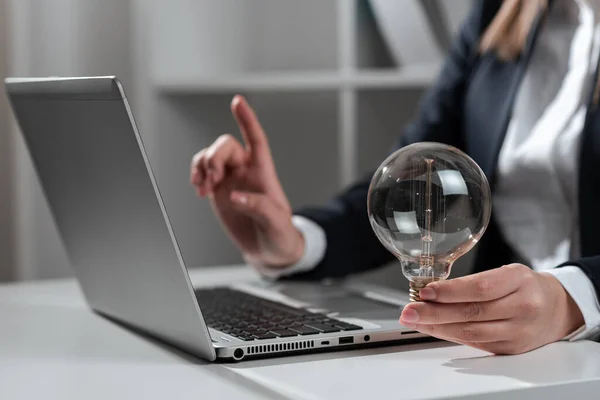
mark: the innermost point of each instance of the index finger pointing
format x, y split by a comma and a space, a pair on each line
252, 131
483, 286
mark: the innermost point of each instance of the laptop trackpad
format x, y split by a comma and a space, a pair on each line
340, 300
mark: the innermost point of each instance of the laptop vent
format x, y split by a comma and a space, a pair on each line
278, 347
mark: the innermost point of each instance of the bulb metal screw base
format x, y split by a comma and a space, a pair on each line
416, 286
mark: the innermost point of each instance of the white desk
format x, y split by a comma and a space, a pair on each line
53, 347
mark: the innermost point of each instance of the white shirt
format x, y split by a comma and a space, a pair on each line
535, 198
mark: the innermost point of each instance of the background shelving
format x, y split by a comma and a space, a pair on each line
408, 77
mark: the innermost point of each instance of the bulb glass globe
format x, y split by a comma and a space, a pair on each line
428, 204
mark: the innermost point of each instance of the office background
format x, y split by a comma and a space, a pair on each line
333, 82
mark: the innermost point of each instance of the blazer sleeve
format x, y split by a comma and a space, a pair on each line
351, 244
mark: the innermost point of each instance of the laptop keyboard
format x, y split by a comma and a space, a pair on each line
249, 317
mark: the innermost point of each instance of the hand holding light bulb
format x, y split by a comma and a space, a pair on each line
507, 310
429, 204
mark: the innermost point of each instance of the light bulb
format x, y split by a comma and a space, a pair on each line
428, 204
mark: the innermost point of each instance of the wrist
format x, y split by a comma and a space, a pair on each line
297, 248
568, 315
290, 252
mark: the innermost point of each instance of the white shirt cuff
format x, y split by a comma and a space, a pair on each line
580, 288
315, 243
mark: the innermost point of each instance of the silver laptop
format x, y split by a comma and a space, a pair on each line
97, 179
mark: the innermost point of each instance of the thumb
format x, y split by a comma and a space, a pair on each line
257, 206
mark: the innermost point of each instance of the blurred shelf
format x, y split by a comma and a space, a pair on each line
274, 81
406, 77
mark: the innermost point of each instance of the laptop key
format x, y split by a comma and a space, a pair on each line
284, 332
255, 331
304, 330
324, 328
314, 319
267, 335
328, 321
347, 327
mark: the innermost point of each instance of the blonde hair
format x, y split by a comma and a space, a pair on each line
508, 32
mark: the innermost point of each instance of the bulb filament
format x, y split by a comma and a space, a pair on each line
426, 260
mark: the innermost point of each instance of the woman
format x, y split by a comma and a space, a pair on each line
518, 93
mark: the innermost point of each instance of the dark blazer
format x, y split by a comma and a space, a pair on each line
468, 107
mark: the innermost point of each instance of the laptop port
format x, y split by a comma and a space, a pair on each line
238, 354
346, 340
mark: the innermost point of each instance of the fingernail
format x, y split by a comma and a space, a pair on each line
239, 198
409, 315
427, 293
408, 324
